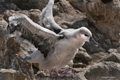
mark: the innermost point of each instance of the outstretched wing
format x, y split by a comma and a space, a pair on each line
44, 39
46, 18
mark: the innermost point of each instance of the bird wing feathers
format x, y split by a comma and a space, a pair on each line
47, 19
42, 38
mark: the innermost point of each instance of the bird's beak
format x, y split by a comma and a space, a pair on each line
93, 42
27, 58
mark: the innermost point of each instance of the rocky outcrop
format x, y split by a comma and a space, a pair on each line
12, 58
10, 74
114, 57
94, 63
3, 25
67, 14
30, 4
78, 4
82, 56
34, 14
103, 71
105, 17
7, 5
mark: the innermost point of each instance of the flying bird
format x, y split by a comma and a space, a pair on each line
55, 49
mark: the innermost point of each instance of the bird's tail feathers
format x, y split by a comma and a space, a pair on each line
27, 58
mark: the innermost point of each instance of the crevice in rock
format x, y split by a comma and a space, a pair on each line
106, 1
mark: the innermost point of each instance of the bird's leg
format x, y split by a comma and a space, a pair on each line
50, 72
57, 72
65, 73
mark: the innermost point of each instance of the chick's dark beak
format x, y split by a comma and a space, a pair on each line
92, 41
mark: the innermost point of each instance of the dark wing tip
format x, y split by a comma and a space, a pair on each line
57, 30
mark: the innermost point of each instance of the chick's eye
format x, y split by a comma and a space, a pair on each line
86, 35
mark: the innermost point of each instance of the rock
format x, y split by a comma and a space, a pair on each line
70, 64
91, 48
12, 46
105, 17
79, 72
3, 27
34, 14
82, 56
76, 23
115, 57
97, 57
112, 50
19, 64
103, 71
78, 4
27, 46
13, 53
70, 76
118, 49
104, 42
58, 78
40, 74
78, 65
67, 14
30, 4
6, 4
10, 74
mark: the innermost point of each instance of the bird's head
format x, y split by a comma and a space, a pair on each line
86, 35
